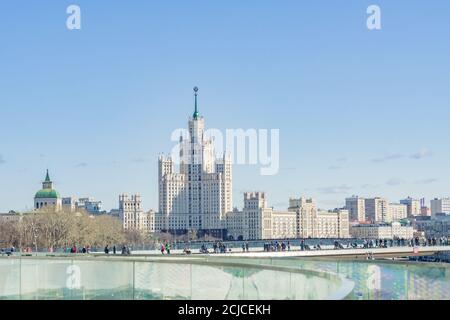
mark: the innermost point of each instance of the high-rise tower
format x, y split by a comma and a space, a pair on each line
200, 195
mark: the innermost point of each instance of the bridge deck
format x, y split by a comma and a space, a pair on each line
391, 252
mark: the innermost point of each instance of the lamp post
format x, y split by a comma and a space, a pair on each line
35, 235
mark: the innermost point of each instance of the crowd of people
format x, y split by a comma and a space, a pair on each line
275, 246
272, 246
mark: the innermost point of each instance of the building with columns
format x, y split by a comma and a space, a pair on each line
47, 197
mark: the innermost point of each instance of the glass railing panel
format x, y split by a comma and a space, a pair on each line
100, 280
162, 281
45, 279
216, 282
10, 279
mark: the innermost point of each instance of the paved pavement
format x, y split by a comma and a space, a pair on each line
295, 252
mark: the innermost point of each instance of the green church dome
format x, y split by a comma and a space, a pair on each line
47, 193
47, 190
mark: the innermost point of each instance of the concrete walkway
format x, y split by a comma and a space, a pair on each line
392, 251
325, 252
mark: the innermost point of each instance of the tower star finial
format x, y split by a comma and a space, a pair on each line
196, 114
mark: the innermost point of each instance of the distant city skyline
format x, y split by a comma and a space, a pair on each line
360, 112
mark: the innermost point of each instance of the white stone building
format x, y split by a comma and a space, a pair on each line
258, 221
382, 231
199, 196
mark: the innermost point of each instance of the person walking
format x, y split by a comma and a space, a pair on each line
114, 249
163, 248
168, 248
106, 249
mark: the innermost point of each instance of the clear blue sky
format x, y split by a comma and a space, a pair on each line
354, 107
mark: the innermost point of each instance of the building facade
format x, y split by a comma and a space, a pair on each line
413, 206
47, 197
438, 226
133, 216
314, 223
356, 207
253, 222
397, 212
440, 206
382, 231
88, 204
199, 196
377, 210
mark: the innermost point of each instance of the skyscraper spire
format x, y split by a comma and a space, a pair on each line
196, 114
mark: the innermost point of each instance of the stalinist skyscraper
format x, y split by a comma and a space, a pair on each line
199, 196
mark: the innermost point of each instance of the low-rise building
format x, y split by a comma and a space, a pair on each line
11, 216
88, 204
382, 231
437, 226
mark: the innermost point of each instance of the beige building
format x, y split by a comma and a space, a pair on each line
397, 212
284, 225
382, 231
132, 215
258, 221
332, 224
315, 223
